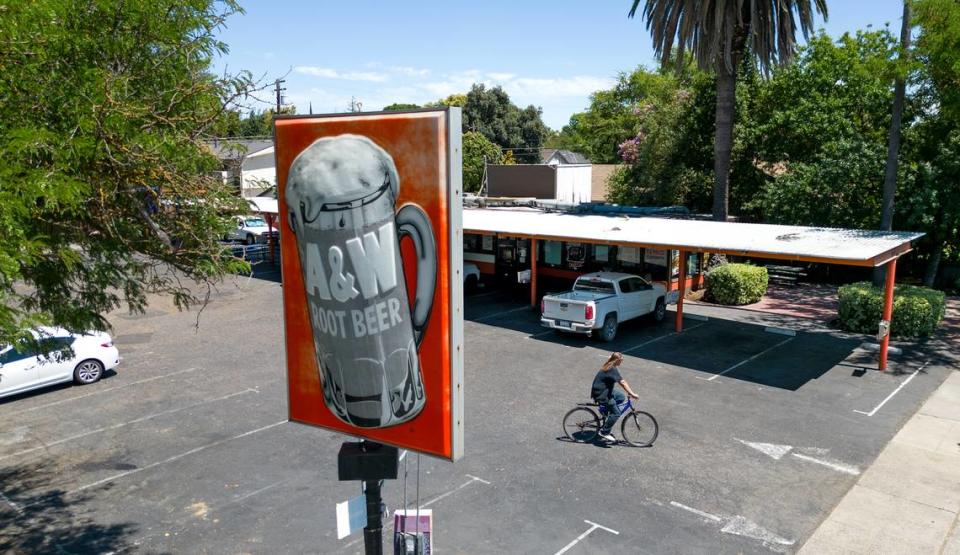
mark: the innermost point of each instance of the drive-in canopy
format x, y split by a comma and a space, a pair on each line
812, 244
854, 247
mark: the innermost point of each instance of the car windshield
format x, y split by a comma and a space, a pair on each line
256, 222
593, 285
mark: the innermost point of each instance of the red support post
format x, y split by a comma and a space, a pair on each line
887, 311
682, 287
533, 272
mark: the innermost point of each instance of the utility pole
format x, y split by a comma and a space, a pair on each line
279, 91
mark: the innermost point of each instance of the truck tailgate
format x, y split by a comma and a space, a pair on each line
564, 309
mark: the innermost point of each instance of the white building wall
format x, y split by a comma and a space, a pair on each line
574, 183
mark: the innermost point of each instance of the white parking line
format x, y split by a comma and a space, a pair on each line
698, 512
454, 490
895, 391
164, 461
505, 312
654, 340
593, 526
742, 362
114, 388
839, 467
127, 423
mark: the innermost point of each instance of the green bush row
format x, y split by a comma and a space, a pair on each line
916, 310
736, 284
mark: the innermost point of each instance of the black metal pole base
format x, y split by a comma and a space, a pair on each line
369, 462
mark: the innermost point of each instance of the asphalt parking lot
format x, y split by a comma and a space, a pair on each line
186, 449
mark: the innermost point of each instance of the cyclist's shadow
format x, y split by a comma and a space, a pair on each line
580, 439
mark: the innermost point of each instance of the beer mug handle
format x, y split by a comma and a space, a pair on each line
413, 222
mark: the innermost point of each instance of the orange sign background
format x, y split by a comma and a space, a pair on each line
421, 146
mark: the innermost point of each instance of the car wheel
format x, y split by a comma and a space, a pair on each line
87, 372
471, 283
251, 240
609, 330
659, 311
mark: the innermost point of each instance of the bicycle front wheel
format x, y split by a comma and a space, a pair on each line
581, 424
639, 428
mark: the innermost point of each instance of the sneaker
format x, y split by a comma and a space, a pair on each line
608, 437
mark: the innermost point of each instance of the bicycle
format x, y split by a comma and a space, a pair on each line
638, 428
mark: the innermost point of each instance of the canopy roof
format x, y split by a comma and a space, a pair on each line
855, 247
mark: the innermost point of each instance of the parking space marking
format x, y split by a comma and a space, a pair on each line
593, 526
505, 312
454, 490
838, 466
780, 331
742, 362
163, 462
127, 423
698, 512
654, 340
895, 391
114, 388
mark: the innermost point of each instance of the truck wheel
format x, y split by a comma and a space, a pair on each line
659, 311
609, 329
251, 240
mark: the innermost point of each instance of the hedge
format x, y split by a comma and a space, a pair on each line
736, 284
916, 310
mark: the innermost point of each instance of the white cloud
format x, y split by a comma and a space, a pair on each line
410, 71
328, 73
501, 76
570, 86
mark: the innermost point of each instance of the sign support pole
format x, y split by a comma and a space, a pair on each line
371, 463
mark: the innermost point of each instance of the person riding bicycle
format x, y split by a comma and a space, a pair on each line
604, 393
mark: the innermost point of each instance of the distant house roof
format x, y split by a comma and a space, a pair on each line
562, 157
231, 148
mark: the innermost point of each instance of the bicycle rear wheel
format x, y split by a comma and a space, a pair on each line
581, 424
639, 428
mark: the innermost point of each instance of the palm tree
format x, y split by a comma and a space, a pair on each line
719, 34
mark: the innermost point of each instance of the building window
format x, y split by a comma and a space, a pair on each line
601, 253
552, 252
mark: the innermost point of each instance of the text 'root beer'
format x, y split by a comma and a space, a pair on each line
341, 194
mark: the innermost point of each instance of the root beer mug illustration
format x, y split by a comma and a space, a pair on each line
340, 197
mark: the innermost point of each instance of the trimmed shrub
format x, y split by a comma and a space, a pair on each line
917, 311
736, 284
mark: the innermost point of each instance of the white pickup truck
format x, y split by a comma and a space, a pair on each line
601, 300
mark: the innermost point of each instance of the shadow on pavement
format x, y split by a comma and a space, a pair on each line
45, 522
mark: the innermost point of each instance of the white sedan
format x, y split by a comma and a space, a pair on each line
23, 368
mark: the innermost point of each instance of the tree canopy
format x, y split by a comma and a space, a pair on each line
491, 113
107, 190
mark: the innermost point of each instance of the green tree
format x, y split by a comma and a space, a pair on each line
491, 113
932, 198
477, 151
397, 106
820, 130
106, 188
722, 35
612, 117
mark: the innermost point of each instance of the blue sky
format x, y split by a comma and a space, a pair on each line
550, 54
